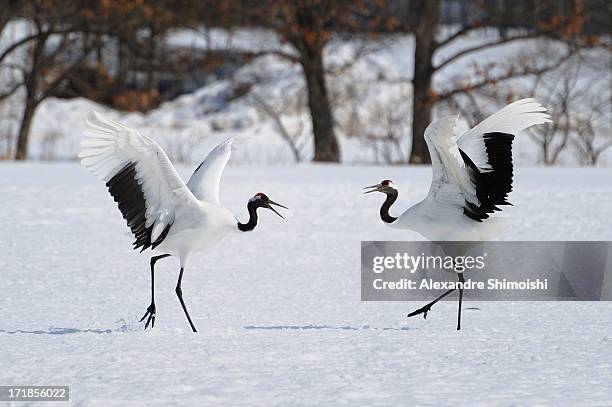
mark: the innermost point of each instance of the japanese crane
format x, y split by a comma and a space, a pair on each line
163, 213
472, 177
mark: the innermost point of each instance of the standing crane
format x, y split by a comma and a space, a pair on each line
163, 213
472, 177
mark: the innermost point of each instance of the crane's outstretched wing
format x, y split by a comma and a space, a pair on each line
204, 183
511, 120
451, 187
139, 175
473, 173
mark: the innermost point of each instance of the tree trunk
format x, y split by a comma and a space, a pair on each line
24, 131
325, 142
32, 101
422, 100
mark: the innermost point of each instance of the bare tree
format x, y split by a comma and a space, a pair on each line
9, 117
422, 100
47, 63
308, 26
384, 128
578, 99
295, 137
427, 45
592, 123
556, 90
63, 34
589, 142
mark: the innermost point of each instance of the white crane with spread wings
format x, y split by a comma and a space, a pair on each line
472, 177
162, 212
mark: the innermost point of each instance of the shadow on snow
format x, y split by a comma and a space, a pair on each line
321, 327
58, 331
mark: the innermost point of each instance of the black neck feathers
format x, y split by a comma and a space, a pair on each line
384, 209
250, 225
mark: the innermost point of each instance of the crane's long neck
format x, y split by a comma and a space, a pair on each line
250, 225
384, 209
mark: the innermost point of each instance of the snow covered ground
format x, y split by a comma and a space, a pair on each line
279, 310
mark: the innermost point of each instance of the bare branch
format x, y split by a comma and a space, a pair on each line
10, 92
269, 110
8, 50
290, 57
511, 74
69, 71
501, 41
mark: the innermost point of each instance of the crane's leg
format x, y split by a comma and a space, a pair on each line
427, 307
151, 310
179, 294
462, 280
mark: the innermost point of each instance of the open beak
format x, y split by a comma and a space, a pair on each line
274, 210
373, 188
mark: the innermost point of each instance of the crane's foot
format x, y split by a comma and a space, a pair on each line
151, 316
423, 310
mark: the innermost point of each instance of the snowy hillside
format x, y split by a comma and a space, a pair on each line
279, 310
368, 81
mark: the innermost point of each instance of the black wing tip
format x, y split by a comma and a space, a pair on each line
128, 193
492, 187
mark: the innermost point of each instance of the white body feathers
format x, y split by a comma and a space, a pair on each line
440, 216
